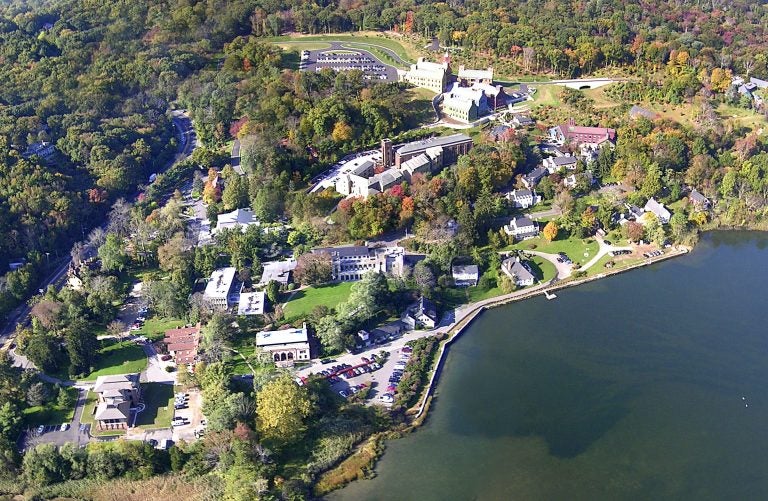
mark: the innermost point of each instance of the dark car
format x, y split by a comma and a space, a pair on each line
165, 358
152, 442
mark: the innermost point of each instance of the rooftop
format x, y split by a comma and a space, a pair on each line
417, 146
521, 222
471, 270
116, 382
285, 336
220, 282
251, 303
346, 251
279, 271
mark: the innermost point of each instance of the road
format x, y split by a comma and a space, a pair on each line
235, 161
20, 316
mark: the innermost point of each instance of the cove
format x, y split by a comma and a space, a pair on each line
652, 384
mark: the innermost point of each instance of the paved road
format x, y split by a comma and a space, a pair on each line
602, 251
563, 269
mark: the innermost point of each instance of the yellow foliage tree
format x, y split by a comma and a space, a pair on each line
550, 231
281, 407
341, 132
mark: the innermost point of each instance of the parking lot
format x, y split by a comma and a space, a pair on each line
54, 434
191, 415
339, 58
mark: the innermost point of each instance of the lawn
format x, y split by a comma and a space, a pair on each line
741, 116
52, 413
547, 95
158, 399
575, 248
118, 358
154, 328
543, 270
304, 301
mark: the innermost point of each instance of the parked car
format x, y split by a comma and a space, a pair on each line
165, 358
343, 393
388, 398
365, 360
64, 427
40, 430
152, 442
407, 349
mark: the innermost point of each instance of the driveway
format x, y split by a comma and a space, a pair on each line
155, 371
563, 269
53, 433
602, 251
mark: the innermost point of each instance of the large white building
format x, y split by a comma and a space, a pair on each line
240, 218
279, 271
521, 228
432, 76
251, 303
219, 290
285, 346
351, 262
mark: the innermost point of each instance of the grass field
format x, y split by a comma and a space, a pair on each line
158, 399
547, 95
575, 248
154, 328
305, 300
118, 358
52, 413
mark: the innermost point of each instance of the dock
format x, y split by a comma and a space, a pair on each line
549, 295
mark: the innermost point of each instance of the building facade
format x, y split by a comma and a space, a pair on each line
432, 76
219, 291
285, 346
117, 395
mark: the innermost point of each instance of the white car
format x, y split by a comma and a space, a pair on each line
64, 427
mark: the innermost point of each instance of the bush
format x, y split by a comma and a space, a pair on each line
169, 368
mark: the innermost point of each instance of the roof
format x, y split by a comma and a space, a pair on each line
285, 336
523, 119
464, 270
346, 251
116, 382
657, 208
698, 197
518, 194
499, 130
106, 411
461, 103
416, 162
426, 307
560, 161
239, 216
251, 303
183, 346
220, 282
428, 66
521, 222
639, 111
182, 332
517, 269
537, 173
762, 84
476, 74
422, 145
279, 271
364, 167
586, 134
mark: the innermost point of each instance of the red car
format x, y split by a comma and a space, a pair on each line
165, 358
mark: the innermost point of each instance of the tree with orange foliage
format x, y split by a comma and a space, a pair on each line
550, 231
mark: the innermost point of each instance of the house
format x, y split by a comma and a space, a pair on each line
117, 395
363, 338
421, 315
572, 180
638, 111
523, 198
759, 83
429, 75
556, 164
219, 291
518, 271
523, 121
182, 343
521, 228
468, 77
465, 275
279, 271
42, 149
498, 132
389, 331
572, 133
285, 346
699, 200
351, 262
658, 208
531, 179
251, 303
240, 218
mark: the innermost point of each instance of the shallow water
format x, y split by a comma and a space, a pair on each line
646, 385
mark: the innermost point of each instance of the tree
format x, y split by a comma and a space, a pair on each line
273, 291
313, 268
550, 231
37, 394
505, 283
633, 231
281, 408
331, 334
423, 276
112, 254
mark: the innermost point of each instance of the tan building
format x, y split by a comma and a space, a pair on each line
432, 76
285, 346
117, 396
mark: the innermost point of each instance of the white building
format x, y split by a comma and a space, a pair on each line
556, 164
469, 76
351, 262
354, 181
432, 76
521, 228
465, 275
240, 218
518, 272
285, 346
523, 198
279, 271
219, 290
658, 208
251, 303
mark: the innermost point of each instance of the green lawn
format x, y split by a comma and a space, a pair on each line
158, 399
543, 269
118, 358
305, 300
154, 328
547, 95
575, 248
51, 413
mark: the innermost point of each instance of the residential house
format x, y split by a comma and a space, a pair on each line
389, 331
240, 218
531, 179
220, 290
279, 271
523, 198
182, 343
117, 395
658, 208
521, 228
251, 303
518, 271
285, 346
429, 75
572, 133
465, 275
523, 121
556, 164
421, 315
499, 132
699, 200
42, 149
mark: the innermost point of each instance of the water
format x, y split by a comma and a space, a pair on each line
646, 385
